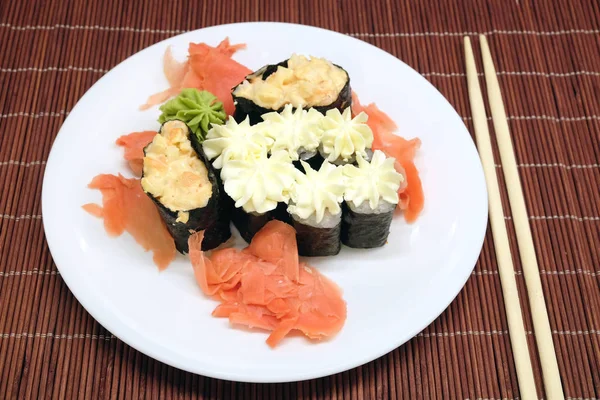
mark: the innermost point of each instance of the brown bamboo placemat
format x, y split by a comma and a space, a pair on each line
548, 57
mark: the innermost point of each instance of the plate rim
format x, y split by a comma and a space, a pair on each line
148, 350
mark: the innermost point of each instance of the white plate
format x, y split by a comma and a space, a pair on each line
392, 293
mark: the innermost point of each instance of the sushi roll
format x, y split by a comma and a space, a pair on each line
344, 138
234, 141
316, 210
184, 187
300, 81
296, 131
370, 199
260, 188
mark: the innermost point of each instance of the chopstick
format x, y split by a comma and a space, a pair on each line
539, 313
506, 270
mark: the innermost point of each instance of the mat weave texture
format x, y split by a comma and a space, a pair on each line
548, 57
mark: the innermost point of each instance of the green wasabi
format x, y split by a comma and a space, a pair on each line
198, 109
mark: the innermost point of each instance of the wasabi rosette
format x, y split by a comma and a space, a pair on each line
198, 109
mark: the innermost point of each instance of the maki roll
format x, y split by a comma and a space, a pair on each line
241, 142
260, 188
316, 210
344, 138
184, 187
370, 199
296, 131
299, 81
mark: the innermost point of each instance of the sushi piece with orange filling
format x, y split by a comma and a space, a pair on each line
180, 180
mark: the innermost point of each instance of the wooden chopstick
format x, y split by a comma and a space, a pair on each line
506, 270
539, 313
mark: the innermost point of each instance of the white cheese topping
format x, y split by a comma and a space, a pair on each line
258, 184
373, 181
318, 191
345, 137
234, 141
173, 173
293, 130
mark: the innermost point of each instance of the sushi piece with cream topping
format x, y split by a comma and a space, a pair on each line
370, 197
344, 137
316, 209
260, 188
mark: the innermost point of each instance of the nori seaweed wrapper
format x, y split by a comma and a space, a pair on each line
213, 218
317, 242
222, 228
248, 224
245, 107
365, 231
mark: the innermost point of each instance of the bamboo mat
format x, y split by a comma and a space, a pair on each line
548, 57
